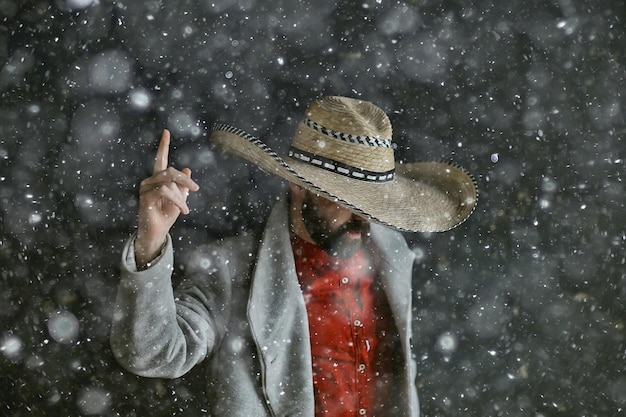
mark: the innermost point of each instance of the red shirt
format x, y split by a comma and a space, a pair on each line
354, 341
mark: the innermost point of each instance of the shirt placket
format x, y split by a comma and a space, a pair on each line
361, 344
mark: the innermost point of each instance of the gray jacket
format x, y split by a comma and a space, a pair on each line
241, 309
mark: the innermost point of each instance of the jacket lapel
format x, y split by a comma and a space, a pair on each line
395, 266
396, 270
278, 320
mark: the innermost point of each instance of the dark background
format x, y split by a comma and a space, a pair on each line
520, 311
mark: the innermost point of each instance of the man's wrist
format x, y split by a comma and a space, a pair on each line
146, 254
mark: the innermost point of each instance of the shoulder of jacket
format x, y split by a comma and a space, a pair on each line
391, 244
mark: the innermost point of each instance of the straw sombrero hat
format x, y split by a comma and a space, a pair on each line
343, 151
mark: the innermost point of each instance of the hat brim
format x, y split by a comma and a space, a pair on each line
423, 196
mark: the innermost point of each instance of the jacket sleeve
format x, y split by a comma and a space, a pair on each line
154, 333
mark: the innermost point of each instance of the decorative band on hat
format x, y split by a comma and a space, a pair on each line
346, 137
340, 167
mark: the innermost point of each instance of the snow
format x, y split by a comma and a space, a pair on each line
110, 72
93, 401
63, 326
79, 4
11, 346
518, 311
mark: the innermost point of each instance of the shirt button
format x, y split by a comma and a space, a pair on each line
345, 280
362, 367
362, 411
357, 323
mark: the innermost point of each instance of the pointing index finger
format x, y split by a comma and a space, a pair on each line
161, 160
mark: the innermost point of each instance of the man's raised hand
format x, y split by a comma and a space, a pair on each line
162, 197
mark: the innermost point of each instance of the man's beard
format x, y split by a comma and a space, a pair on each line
336, 243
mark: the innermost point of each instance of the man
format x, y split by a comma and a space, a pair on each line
313, 317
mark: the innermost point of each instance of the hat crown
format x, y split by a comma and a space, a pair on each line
350, 116
347, 136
